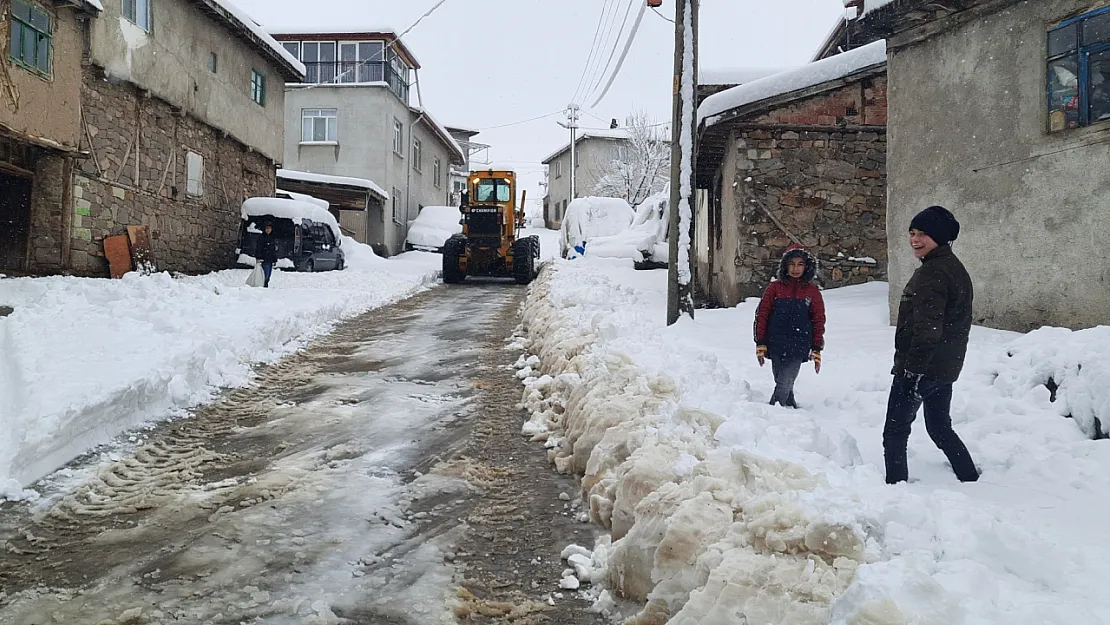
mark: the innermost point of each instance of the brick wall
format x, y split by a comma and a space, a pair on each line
136, 175
859, 104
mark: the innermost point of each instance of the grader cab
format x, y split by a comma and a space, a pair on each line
490, 244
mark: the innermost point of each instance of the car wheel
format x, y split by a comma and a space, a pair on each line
339, 267
311, 266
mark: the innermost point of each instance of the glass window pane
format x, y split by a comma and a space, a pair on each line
21, 10
370, 51
40, 20
333, 129
30, 44
1096, 29
348, 51
42, 61
1062, 40
319, 129
143, 9
327, 51
306, 129
1099, 90
294, 48
311, 52
16, 42
1063, 93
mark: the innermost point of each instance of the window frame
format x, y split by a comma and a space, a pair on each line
194, 181
558, 169
331, 126
134, 16
258, 87
1080, 53
399, 137
40, 35
417, 155
437, 172
396, 197
213, 63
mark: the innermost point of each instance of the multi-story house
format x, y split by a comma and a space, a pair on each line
595, 151
182, 118
459, 173
351, 116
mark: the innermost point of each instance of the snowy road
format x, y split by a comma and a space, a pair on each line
362, 480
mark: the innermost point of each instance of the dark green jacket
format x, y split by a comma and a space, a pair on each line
934, 318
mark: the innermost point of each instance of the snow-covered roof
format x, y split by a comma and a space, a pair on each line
442, 132
811, 75
371, 33
304, 197
305, 176
610, 134
235, 17
95, 4
289, 209
462, 130
735, 75
870, 5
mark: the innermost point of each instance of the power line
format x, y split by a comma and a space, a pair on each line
380, 56
661, 15
624, 55
593, 49
617, 42
594, 75
523, 121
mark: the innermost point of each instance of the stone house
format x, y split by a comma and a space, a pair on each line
1000, 111
594, 151
799, 157
182, 119
351, 116
40, 128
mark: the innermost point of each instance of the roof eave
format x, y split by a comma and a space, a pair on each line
288, 71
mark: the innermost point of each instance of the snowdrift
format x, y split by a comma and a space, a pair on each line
591, 217
83, 360
724, 510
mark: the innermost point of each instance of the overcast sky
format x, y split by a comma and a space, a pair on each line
491, 62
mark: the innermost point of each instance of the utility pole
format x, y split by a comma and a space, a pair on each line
572, 124
680, 274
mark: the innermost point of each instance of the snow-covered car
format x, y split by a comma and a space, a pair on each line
645, 241
432, 227
590, 217
308, 237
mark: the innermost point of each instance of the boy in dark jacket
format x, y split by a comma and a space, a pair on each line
930, 342
267, 251
790, 323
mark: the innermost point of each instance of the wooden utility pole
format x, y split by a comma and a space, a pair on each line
680, 296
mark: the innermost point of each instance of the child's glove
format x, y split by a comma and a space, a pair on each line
761, 354
815, 356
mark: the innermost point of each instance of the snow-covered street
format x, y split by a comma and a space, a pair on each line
720, 505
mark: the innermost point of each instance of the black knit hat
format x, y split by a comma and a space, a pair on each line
937, 222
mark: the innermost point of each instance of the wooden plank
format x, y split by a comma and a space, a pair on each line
141, 251
117, 250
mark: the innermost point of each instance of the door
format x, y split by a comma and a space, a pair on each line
15, 221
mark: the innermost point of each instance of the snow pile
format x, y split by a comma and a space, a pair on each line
723, 509
1070, 368
433, 226
290, 209
590, 217
810, 75
292, 195
306, 176
647, 237
82, 360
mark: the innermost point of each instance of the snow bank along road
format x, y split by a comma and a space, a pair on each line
724, 510
361, 480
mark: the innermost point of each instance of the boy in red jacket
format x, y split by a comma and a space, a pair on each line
790, 323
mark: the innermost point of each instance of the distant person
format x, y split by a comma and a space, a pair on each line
790, 323
267, 251
934, 322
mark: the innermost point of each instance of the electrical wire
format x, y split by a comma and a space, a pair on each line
523, 121
616, 45
380, 56
593, 72
593, 49
624, 55
661, 15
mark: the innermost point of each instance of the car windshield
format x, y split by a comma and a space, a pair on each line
493, 190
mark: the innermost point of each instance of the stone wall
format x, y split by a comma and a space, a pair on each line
136, 175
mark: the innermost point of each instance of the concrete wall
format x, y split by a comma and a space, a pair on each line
365, 150
48, 107
968, 131
172, 63
594, 156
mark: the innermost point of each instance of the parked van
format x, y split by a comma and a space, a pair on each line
307, 236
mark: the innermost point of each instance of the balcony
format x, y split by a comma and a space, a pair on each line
355, 72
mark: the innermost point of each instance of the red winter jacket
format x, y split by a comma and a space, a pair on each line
790, 319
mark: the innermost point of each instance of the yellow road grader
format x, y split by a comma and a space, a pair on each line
489, 244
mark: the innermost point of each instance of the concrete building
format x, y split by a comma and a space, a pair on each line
999, 110
40, 130
801, 161
595, 150
351, 117
182, 111
465, 138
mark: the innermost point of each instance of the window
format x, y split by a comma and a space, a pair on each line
258, 87
194, 174
417, 155
1079, 71
398, 137
319, 125
437, 172
138, 13
213, 63
397, 216
31, 36
558, 169
293, 47
493, 190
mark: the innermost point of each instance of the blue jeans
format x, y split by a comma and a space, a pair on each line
901, 411
267, 269
786, 372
